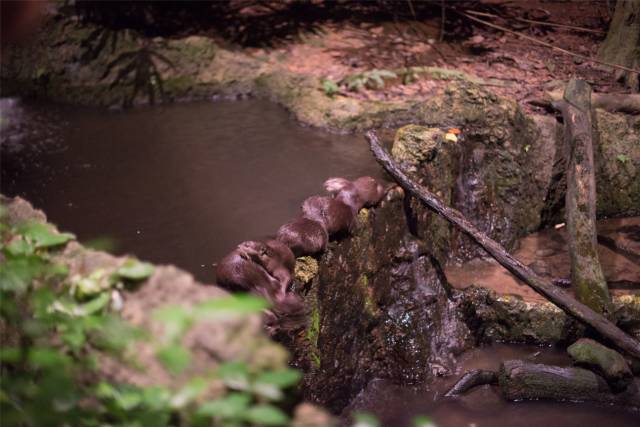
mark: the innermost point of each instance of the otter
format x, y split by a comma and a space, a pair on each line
238, 272
361, 192
274, 256
335, 215
303, 236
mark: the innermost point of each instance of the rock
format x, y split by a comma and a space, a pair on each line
404, 322
607, 362
306, 269
308, 415
414, 145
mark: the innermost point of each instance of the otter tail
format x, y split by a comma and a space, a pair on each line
335, 185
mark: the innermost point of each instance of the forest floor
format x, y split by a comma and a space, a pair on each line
526, 69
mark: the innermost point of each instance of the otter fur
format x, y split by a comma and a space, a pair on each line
333, 214
238, 272
303, 236
274, 256
361, 192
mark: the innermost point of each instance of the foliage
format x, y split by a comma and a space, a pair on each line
138, 69
56, 328
330, 87
373, 79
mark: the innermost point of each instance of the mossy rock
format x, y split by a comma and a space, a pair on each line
604, 360
415, 144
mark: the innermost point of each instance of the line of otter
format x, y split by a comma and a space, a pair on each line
266, 268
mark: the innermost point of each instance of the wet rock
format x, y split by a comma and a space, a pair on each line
381, 308
609, 363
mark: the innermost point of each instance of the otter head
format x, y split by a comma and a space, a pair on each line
252, 250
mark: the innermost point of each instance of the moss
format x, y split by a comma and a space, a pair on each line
313, 332
370, 306
306, 269
415, 144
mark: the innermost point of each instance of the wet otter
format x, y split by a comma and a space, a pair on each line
238, 272
361, 192
274, 256
303, 236
333, 214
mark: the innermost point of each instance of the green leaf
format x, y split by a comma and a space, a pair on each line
422, 421
234, 374
47, 358
174, 358
9, 354
86, 287
17, 274
43, 235
175, 319
20, 247
282, 378
622, 158
135, 270
95, 305
239, 304
233, 406
364, 419
188, 393
266, 415
330, 87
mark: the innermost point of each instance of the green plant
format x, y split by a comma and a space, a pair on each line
138, 70
373, 79
622, 158
55, 329
330, 87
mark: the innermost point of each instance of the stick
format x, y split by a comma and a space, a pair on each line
613, 102
544, 287
472, 379
532, 21
543, 43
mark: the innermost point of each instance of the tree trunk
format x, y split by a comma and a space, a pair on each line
586, 273
622, 45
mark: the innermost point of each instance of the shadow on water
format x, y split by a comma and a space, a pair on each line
179, 184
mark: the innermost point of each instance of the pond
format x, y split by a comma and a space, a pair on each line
180, 184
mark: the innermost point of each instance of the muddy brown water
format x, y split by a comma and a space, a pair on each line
180, 184
183, 184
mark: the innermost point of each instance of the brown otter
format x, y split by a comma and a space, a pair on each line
238, 272
361, 192
274, 256
333, 214
303, 236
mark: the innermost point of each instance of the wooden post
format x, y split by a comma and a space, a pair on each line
580, 202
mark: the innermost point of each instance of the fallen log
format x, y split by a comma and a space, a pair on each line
471, 379
519, 380
614, 103
544, 287
587, 277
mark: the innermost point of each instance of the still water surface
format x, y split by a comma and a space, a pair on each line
180, 184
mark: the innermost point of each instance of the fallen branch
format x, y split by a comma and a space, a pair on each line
549, 45
544, 287
623, 103
471, 379
543, 23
